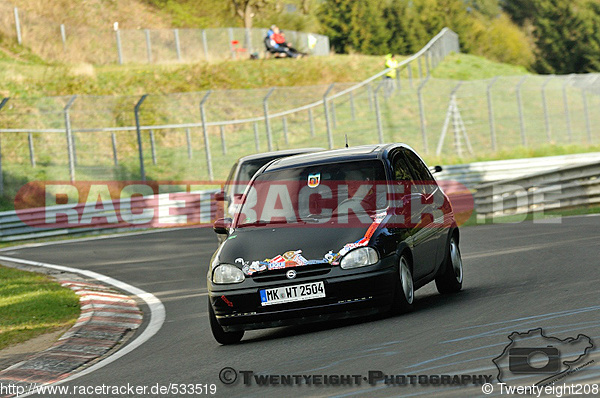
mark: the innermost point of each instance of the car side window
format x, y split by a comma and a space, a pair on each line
419, 172
400, 168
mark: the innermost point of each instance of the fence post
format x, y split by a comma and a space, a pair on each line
114, 148
327, 121
267, 122
352, 109
152, 146
31, 149
205, 135
70, 137
422, 113
230, 32
205, 44
148, 45
119, 47
586, 112
491, 113
545, 107
18, 27
136, 111
222, 133
2, 103
566, 104
378, 113
285, 130
311, 121
333, 117
177, 44
248, 41
520, 107
188, 139
256, 143
63, 36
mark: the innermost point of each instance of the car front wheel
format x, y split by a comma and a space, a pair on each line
404, 295
451, 278
221, 335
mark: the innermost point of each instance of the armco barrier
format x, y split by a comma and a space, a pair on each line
473, 174
558, 189
30, 223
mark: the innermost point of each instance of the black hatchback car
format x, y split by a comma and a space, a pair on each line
331, 235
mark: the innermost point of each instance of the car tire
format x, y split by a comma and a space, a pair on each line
451, 277
221, 335
404, 294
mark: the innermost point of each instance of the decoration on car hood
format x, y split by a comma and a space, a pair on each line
294, 258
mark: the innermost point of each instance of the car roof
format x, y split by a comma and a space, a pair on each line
364, 152
283, 153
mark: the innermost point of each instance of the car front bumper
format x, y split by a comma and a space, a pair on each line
349, 293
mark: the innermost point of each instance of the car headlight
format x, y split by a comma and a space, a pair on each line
359, 258
227, 273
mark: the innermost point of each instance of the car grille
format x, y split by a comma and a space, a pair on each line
301, 272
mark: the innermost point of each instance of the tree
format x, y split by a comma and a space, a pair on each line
520, 11
248, 9
567, 36
354, 25
406, 33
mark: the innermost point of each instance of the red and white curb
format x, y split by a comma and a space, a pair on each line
106, 317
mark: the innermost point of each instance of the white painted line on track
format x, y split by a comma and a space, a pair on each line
156, 307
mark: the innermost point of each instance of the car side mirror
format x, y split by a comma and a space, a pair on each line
220, 196
437, 169
222, 225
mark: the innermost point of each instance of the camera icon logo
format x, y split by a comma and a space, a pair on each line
534, 360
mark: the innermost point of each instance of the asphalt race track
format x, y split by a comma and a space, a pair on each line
517, 277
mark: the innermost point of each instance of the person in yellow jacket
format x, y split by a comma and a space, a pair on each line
391, 62
390, 77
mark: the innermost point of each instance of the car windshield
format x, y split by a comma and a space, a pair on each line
313, 193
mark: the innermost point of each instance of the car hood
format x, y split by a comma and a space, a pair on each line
266, 248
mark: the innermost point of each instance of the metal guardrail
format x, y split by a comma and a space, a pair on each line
473, 174
31, 223
558, 189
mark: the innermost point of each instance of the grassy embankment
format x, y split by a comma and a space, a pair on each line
32, 304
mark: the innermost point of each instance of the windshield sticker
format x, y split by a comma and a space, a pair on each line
314, 180
294, 258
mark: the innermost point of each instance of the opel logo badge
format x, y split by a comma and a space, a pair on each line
291, 274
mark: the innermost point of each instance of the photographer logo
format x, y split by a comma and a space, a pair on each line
536, 359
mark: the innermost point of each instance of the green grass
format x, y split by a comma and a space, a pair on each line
32, 77
32, 304
472, 67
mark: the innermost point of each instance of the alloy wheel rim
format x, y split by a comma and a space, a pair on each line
406, 280
456, 261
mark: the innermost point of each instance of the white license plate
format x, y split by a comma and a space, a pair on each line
287, 294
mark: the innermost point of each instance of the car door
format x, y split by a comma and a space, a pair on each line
407, 224
424, 212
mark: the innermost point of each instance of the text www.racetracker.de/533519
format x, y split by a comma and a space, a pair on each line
177, 389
